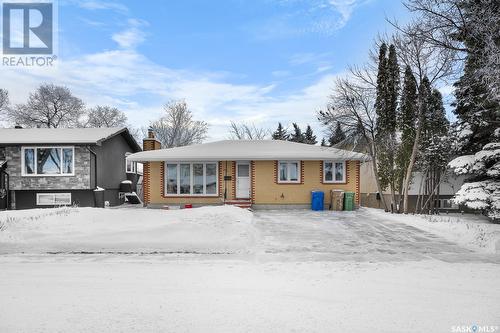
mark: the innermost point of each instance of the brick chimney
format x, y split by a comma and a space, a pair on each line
150, 143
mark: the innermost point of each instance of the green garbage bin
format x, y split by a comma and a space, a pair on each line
349, 201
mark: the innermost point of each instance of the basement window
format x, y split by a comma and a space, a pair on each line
53, 199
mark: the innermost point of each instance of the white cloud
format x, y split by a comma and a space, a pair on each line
130, 81
103, 5
301, 17
127, 79
280, 73
132, 35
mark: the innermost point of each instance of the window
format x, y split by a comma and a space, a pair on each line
53, 199
171, 179
289, 172
446, 204
334, 172
48, 161
130, 167
211, 178
199, 178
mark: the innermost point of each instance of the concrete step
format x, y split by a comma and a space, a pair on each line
241, 203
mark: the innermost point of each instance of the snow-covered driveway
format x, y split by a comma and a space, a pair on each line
363, 235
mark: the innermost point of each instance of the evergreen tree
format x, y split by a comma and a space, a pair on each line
478, 110
392, 93
337, 137
381, 84
297, 135
434, 148
477, 113
386, 108
309, 136
280, 133
407, 117
323, 142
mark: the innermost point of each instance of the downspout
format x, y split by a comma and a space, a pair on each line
95, 166
8, 189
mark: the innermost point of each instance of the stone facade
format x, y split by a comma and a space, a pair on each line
80, 181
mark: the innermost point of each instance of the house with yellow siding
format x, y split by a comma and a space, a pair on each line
259, 173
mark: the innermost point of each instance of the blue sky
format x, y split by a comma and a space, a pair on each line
253, 61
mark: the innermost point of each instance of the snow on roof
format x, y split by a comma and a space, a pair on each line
17, 136
242, 150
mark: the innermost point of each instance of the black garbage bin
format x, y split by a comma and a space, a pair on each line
3, 199
99, 197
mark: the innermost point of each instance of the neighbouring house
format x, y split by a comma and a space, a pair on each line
47, 167
260, 173
449, 185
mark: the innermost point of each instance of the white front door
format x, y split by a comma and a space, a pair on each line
242, 180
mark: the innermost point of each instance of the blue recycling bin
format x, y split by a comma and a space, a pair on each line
317, 200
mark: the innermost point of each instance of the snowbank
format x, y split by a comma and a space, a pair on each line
223, 229
471, 231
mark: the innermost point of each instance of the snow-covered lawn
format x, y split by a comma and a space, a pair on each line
226, 269
203, 230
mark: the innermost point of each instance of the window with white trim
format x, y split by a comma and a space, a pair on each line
288, 172
197, 178
53, 199
48, 161
130, 167
334, 171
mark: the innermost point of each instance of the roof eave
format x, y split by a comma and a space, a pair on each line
238, 159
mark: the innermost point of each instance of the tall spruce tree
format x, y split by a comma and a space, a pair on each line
423, 97
434, 150
386, 109
407, 118
381, 86
296, 135
477, 113
309, 136
478, 109
280, 133
337, 136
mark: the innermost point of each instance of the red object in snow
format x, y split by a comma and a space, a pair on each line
188, 206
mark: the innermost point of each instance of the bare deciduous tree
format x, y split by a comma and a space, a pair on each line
177, 128
247, 132
429, 64
352, 106
106, 116
447, 24
49, 106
